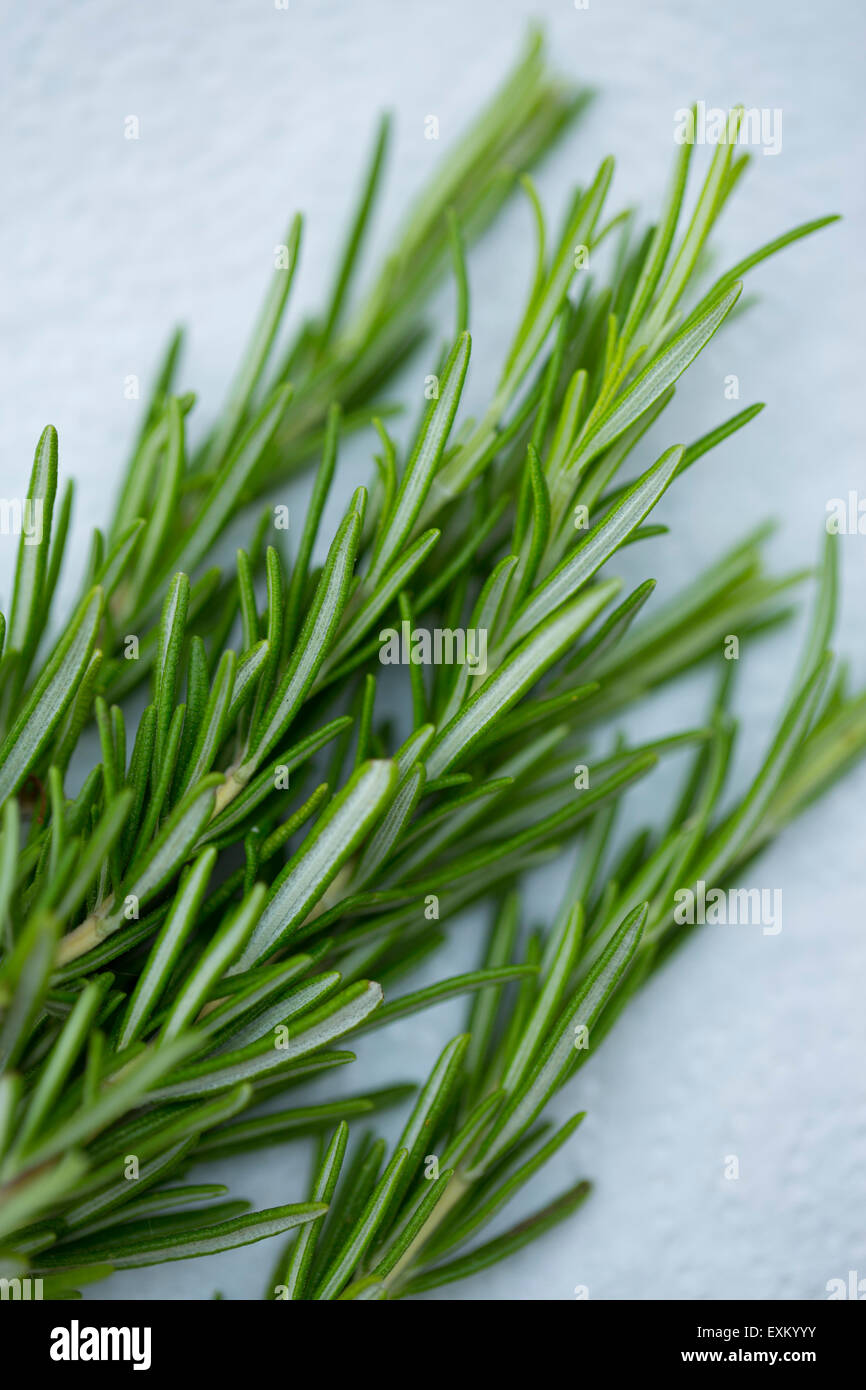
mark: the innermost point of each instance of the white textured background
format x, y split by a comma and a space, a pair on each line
746, 1044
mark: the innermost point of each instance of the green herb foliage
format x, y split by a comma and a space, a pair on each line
207, 921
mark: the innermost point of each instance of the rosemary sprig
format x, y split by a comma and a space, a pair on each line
476, 1134
251, 919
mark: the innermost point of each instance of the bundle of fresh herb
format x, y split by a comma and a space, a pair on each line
193, 931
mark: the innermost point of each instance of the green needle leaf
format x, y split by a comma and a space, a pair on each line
315, 640
602, 541
665, 368
341, 1014
27, 616
554, 1061
207, 1240
338, 832
499, 1249
371, 1219
20, 750
514, 677
423, 462
42, 1191
294, 1279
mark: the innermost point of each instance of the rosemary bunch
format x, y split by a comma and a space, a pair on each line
193, 931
